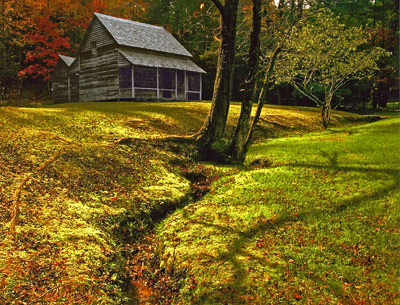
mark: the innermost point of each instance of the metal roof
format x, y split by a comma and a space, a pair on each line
141, 35
68, 60
137, 57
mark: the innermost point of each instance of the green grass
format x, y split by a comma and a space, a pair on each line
80, 214
76, 217
318, 225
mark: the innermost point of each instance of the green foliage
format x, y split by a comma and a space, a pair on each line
324, 55
193, 22
316, 222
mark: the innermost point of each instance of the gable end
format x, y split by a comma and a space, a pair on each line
96, 37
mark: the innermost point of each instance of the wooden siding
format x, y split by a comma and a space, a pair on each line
60, 83
73, 87
122, 61
145, 94
98, 77
96, 33
60, 90
74, 68
73, 73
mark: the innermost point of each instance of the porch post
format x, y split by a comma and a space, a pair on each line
176, 84
158, 85
185, 86
201, 87
69, 89
133, 81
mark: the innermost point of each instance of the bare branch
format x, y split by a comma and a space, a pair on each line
307, 93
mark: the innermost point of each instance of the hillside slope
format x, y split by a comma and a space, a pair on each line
77, 215
314, 219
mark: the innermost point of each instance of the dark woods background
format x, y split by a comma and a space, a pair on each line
33, 32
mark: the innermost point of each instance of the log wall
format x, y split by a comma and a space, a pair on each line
98, 77
60, 83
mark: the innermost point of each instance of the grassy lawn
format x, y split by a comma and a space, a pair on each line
315, 220
79, 217
76, 217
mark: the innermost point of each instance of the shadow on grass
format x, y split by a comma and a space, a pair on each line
236, 249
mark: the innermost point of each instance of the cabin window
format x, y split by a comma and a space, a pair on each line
167, 79
125, 77
193, 81
193, 96
94, 44
145, 77
180, 77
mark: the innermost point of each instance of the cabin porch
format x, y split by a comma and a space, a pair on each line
153, 83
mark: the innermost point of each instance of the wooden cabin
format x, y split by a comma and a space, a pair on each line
65, 80
121, 59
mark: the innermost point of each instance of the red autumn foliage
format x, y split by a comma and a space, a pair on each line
46, 41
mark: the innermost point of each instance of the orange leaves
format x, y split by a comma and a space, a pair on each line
153, 283
99, 6
297, 296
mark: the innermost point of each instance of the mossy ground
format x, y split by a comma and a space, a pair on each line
79, 215
76, 216
316, 223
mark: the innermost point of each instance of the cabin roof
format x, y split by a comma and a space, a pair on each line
136, 57
67, 60
141, 35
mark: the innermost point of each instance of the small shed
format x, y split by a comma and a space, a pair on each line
121, 59
65, 80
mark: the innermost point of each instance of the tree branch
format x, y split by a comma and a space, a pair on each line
219, 6
17, 194
307, 93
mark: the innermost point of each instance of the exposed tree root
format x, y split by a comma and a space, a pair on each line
174, 139
15, 208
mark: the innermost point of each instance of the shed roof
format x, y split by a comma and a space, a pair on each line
136, 57
141, 35
66, 59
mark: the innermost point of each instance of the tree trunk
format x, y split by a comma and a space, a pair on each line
326, 114
278, 96
261, 98
263, 92
238, 146
214, 126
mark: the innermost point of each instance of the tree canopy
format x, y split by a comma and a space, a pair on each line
323, 56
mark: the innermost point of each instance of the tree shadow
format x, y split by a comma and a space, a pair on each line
332, 158
236, 248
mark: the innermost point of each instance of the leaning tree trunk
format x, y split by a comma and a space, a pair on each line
213, 128
238, 146
262, 94
261, 99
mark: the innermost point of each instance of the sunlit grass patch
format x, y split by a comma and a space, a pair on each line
77, 217
319, 224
